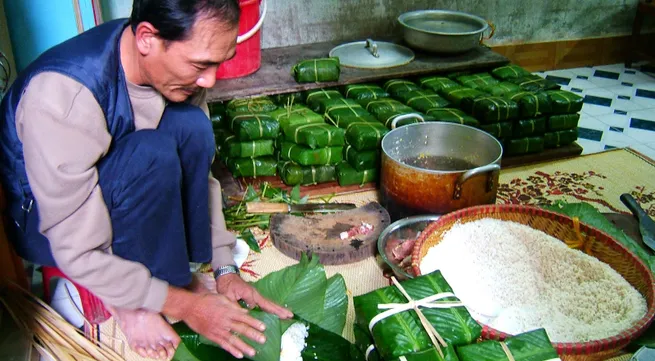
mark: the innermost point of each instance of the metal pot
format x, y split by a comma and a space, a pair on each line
443, 31
437, 167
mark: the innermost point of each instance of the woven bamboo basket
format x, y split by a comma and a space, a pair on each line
596, 243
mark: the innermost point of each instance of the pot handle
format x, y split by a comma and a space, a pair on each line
491, 33
472, 172
251, 32
395, 121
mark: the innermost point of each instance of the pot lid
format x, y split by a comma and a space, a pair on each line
371, 54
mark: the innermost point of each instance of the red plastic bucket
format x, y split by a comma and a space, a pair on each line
248, 57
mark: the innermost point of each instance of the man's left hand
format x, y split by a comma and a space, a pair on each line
235, 288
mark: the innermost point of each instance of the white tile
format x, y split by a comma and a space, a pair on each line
626, 105
584, 71
591, 122
589, 146
617, 68
646, 103
615, 120
562, 73
640, 135
582, 84
647, 114
627, 91
596, 110
600, 92
637, 78
604, 82
645, 150
617, 139
648, 85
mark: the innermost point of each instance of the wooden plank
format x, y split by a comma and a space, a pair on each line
274, 76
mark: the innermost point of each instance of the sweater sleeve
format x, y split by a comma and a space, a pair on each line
64, 134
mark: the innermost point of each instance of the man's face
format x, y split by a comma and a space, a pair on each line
178, 69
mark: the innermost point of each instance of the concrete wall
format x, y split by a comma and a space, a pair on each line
291, 22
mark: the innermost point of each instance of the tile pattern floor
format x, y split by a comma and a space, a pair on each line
619, 106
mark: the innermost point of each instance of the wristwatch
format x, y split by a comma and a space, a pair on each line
223, 270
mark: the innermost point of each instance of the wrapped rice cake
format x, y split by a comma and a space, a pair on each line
530, 346
254, 126
510, 72
488, 109
438, 84
501, 89
315, 98
294, 115
248, 149
396, 87
498, 130
377, 106
531, 104
366, 135
452, 115
361, 160
306, 156
560, 138
403, 334
477, 81
528, 127
564, 102
534, 83
250, 105
343, 112
217, 115
252, 167
364, 91
315, 135
317, 70
347, 175
409, 117
423, 100
563, 122
456, 95
294, 174
524, 145
288, 99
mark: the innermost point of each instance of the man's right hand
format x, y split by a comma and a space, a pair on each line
217, 318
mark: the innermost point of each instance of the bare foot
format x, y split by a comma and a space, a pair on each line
148, 334
202, 283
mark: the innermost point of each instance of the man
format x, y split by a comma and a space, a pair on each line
105, 155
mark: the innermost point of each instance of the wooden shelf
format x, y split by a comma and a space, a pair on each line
274, 76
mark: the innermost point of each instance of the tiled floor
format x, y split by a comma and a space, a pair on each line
619, 106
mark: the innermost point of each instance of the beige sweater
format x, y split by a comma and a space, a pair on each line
64, 134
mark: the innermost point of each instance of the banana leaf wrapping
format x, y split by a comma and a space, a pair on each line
524, 145
288, 98
510, 72
294, 115
456, 95
564, 102
361, 160
560, 138
490, 109
403, 334
501, 89
423, 100
315, 98
388, 117
317, 70
252, 167
307, 156
477, 81
531, 104
366, 135
563, 122
250, 105
343, 112
378, 106
315, 135
364, 91
293, 174
457, 74
248, 149
347, 175
530, 346
222, 135
254, 126
438, 84
534, 83
217, 115
452, 115
396, 87
528, 127
498, 130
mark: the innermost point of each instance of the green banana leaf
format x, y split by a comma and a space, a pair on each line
323, 345
530, 346
294, 174
217, 115
534, 83
501, 89
396, 87
524, 145
361, 92
560, 138
423, 100
223, 135
477, 81
252, 167
528, 127
510, 72
456, 95
378, 106
248, 149
295, 114
315, 98
388, 117
288, 99
498, 130
438, 84
452, 115
531, 104
402, 334
315, 135
363, 160
365, 135
564, 102
254, 126
489, 109
563, 122
251, 105
344, 118
307, 156
317, 70
347, 175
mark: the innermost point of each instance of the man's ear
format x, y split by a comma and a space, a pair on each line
146, 37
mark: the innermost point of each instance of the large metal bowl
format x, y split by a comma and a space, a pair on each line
443, 31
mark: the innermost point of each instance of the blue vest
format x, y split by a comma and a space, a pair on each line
91, 58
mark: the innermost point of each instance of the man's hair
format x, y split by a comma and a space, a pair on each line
174, 19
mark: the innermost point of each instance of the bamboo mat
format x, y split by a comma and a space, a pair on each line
598, 179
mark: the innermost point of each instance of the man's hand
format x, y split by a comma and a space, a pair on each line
236, 289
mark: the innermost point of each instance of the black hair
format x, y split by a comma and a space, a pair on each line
174, 19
